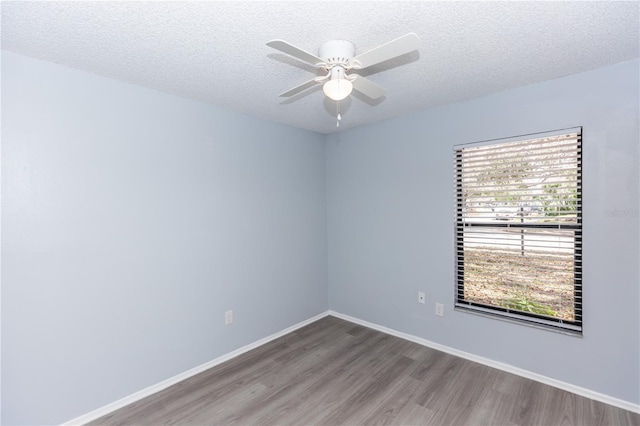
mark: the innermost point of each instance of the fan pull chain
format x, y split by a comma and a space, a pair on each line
339, 117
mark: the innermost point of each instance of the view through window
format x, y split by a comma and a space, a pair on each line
519, 228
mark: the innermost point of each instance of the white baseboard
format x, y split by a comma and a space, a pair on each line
626, 405
109, 408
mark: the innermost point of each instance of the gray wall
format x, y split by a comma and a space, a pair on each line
390, 226
131, 221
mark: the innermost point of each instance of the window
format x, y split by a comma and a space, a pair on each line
518, 228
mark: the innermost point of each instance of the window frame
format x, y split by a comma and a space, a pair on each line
520, 317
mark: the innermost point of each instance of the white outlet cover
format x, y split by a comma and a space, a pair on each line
440, 309
421, 297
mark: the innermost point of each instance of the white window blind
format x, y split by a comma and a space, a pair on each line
518, 228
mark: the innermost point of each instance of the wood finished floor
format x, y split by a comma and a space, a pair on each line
333, 372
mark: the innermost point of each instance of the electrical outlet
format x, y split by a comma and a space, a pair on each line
421, 297
439, 309
228, 317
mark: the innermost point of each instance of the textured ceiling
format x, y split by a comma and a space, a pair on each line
216, 52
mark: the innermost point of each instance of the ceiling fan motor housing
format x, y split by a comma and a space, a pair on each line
337, 51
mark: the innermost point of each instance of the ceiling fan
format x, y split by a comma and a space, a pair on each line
337, 57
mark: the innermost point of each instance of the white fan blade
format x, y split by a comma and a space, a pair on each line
405, 44
299, 88
294, 51
367, 87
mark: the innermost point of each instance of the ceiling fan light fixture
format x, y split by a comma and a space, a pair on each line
337, 89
